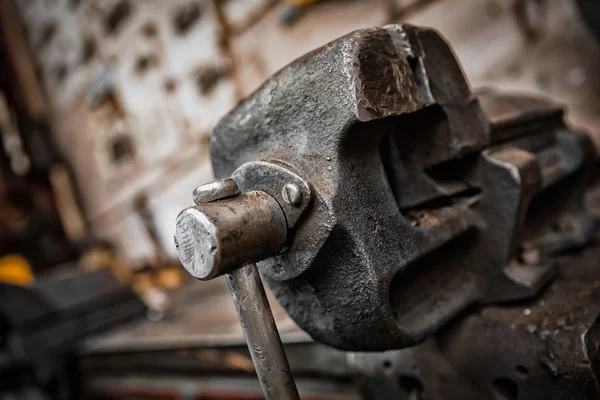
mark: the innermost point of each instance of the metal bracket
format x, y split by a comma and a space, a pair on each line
291, 192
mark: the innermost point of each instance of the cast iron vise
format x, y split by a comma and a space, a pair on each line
380, 197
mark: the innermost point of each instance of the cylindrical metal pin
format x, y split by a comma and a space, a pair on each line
261, 333
216, 237
222, 232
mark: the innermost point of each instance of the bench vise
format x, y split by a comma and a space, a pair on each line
380, 197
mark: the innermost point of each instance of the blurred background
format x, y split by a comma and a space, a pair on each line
106, 110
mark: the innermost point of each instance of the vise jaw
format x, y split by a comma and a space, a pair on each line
407, 198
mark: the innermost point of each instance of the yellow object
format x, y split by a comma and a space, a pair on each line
301, 3
169, 277
15, 270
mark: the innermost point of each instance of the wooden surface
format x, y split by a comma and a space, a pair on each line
199, 310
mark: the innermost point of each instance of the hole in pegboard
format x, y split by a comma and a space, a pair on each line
149, 30
121, 148
89, 49
48, 33
186, 17
505, 389
170, 85
207, 77
117, 16
60, 73
145, 62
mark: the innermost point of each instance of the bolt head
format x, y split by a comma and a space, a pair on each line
291, 194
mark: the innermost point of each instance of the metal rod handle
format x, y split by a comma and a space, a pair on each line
261, 333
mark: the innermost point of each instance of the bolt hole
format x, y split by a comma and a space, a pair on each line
170, 85
208, 77
186, 17
117, 16
89, 50
149, 30
505, 389
387, 365
121, 148
522, 371
411, 385
145, 62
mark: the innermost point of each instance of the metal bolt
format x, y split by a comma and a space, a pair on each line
291, 194
217, 190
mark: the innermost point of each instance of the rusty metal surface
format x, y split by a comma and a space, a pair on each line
546, 347
423, 199
543, 346
261, 334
